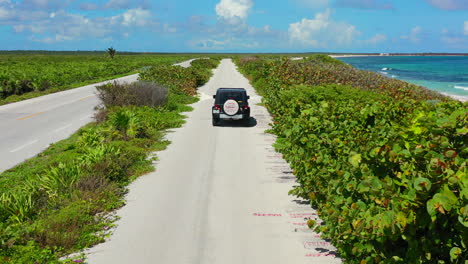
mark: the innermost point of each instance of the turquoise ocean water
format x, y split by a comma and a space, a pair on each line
445, 74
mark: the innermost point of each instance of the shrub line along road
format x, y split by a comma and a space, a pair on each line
219, 195
29, 127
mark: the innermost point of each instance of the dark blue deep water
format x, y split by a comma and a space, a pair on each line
445, 74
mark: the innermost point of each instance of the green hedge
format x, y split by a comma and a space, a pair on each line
182, 80
388, 176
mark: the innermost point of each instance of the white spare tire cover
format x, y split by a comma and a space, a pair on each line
231, 107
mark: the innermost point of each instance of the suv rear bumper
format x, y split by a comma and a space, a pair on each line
233, 117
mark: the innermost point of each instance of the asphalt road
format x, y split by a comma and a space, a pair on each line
29, 127
219, 195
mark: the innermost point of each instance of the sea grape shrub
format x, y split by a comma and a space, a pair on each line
368, 173
182, 80
206, 63
387, 175
202, 69
364, 167
178, 79
142, 93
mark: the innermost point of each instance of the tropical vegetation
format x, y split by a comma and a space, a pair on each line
23, 76
384, 162
61, 201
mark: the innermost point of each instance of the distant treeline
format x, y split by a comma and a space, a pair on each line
100, 52
77, 52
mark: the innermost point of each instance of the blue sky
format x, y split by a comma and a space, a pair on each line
236, 25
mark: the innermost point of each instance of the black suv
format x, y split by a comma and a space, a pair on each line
230, 104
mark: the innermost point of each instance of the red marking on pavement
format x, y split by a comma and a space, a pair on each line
259, 214
300, 215
300, 224
315, 255
317, 244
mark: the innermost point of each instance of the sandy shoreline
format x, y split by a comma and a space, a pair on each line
460, 98
346, 56
393, 55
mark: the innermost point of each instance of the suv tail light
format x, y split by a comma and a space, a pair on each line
246, 107
217, 107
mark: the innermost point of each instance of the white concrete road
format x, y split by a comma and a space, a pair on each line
218, 196
185, 64
29, 127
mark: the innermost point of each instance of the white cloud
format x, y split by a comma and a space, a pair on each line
223, 44
136, 17
322, 32
364, 4
449, 4
314, 3
169, 28
89, 6
5, 14
414, 36
62, 26
6, 10
117, 4
44, 4
231, 32
452, 40
378, 38
233, 11
455, 39
210, 44
12, 13
37, 3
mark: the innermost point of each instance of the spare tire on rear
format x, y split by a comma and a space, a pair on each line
231, 107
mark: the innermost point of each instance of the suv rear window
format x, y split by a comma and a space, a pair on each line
223, 96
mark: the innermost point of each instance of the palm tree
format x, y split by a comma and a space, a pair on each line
111, 52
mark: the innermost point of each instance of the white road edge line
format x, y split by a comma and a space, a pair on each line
23, 146
62, 128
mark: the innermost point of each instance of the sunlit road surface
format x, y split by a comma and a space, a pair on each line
218, 195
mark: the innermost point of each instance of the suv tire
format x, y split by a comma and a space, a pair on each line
231, 107
215, 121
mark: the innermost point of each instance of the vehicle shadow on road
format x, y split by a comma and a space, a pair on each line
252, 122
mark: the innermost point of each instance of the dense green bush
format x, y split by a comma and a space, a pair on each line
388, 174
137, 93
182, 80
